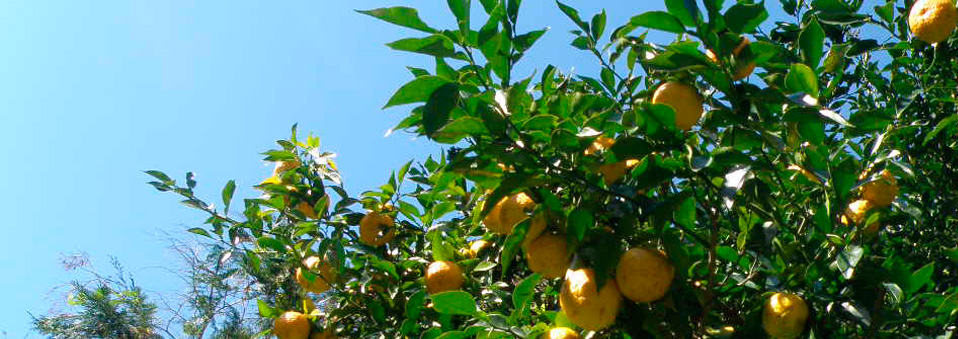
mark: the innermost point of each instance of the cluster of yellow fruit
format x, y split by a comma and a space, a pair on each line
879, 193
643, 275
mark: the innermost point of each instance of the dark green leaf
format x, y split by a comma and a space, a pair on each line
441, 102
744, 17
574, 15
414, 304
525, 291
228, 193
437, 45
848, 259
942, 125
659, 20
270, 243
402, 16
580, 221
199, 231
801, 78
687, 11
417, 90
454, 303
812, 42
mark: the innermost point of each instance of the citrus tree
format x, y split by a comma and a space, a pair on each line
744, 179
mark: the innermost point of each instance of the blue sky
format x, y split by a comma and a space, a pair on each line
92, 93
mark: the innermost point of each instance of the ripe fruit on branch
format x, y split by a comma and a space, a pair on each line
291, 325
683, 99
376, 229
881, 192
784, 315
585, 304
560, 333
327, 275
615, 171
644, 275
508, 212
548, 255
855, 214
932, 21
443, 276
742, 70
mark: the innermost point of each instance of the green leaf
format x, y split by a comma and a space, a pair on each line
525, 291
453, 335
460, 8
743, 18
159, 176
525, 41
199, 231
942, 125
228, 193
920, 277
848, 259
803, 79
484, 266
417, 90
659, 20
441, 102
415, 304
580, 221
459, 128
436, 45
454, 303
574, 15
687, 11
674, 62
812, 42
265, 310
270, 243
402, 16
685, 214
598, 25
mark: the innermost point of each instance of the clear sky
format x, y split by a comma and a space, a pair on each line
94, 92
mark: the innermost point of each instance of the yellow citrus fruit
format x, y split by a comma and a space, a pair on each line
881, 192
538, 225
307, 210
683, 99
508, 212
644, 274
600, 144
804, 172
376, 229
855, 214
443, 276
741, 71
586, 305
615, 171
475, 247
560, 333
932, 21
323, 335
327, 275
291, 325
784, 316
548, 255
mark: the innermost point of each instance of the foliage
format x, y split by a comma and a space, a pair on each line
746, 204
109, 307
